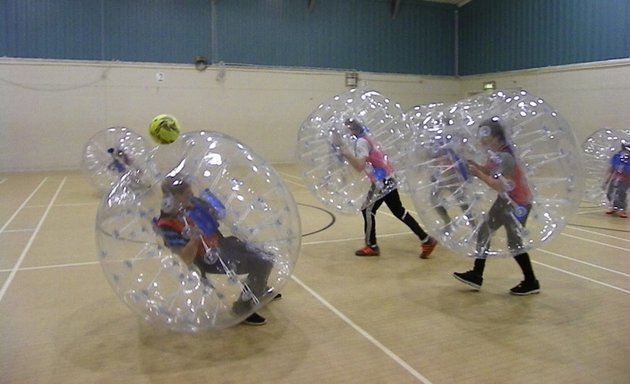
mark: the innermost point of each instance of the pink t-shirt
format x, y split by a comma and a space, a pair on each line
380, 167
503, 164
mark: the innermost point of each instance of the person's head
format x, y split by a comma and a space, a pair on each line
492, 134
354, 126
177, 193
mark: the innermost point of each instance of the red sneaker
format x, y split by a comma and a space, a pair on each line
610, 211
368, 251
428, 247
623, 215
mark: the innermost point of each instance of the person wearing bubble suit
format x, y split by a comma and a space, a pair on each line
367, 157
114, 152
618, 181
120, 161
189, 226
449, 179
503, 173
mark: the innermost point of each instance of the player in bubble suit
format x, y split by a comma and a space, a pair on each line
448, 180
120, 161
189, 227
367, 157
504, 174
618, 181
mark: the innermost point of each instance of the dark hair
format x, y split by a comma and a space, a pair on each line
496, 129
353, 124
174, 185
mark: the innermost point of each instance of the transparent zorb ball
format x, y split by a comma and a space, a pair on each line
598, 150
239, 211
324, 134
113, 152
455, 206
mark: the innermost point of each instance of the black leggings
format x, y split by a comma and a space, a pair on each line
513, 217
503, 214
392, 199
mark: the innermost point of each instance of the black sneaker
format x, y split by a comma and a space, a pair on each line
255, 319
470, 278
241, 307
277, 297
526, 288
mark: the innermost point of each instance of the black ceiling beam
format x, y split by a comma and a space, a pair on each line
395, 7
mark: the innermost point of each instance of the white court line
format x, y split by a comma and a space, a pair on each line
598, 234
293, 182
68, 205
582, 277
23, 205
363, 333
584, 211
291, 176
31, 240
354, 238
17, 230
54, 266
3, 180
319, 298
584, 262
594, 242
539, 249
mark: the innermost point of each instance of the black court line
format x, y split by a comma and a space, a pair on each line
333, 218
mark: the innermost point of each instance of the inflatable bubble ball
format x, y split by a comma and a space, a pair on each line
338, 125
207, 244
598, 151
112, 153
496, 174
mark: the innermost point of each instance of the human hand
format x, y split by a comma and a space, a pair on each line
336, 139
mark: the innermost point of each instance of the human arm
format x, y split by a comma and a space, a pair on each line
499, 178
357, 158
609, 174
358, 163
186, 247
188, 252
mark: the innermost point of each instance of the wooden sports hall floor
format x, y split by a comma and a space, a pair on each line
343, 319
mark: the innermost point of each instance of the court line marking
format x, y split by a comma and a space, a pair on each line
594, 242
55, 266
582, 277
67, 205
363, 332
333, 309
17, 211
17, 230
295, 183
597, 233
31, 240
596, 266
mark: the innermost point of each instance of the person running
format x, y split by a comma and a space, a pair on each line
368, 157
